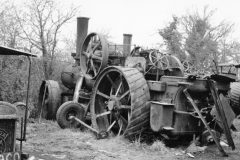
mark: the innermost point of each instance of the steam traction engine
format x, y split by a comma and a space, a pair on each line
127, 92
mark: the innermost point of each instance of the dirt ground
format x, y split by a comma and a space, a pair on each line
47, 141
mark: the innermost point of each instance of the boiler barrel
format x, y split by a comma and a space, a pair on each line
70, 75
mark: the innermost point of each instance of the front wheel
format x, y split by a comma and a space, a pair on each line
68, 109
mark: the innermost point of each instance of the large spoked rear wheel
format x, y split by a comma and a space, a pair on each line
119, 103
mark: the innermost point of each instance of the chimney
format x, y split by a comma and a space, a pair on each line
82, 30
127, 41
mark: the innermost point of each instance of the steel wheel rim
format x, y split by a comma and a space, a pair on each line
109, 102
94, 55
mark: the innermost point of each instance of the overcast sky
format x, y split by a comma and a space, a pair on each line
143, 18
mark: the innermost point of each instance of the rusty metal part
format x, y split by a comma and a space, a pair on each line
70, 75
205, 123
136, 62
94, 55
221, 113
77, 89
227, 111
83, 123
208, 139
49, 99
68, 109
235, 97
159, 60
188, 67
161, 116
136, 51
119, 102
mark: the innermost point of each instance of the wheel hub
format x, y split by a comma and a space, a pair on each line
114, 103
69, 114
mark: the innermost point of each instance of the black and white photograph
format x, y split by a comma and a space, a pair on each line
119, 80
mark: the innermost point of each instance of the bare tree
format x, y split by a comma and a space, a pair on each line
41, 24
9, 29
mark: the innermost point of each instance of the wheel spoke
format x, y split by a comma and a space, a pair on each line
97, 57
124, 107
96, 46
123, 119
103, 95
111, 81
120, 129
119, 87
103, 114
93, 67
86, 54
126, 93
110, 127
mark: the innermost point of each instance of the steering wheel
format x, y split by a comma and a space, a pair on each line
158, 60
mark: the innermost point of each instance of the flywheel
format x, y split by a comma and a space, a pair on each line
120, 102
94, 55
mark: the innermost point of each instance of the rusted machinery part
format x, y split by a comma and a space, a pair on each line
136, 51
49, 99
174, 62
221, 101
235, 97
119, 102
187, 66
176, 67
94, 55
203, 119
69, 75
68, 109
21, 106
158, 60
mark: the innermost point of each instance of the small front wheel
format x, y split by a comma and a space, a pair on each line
68, 109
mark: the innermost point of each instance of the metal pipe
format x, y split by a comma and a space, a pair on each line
26, 110
82, 30
77, 89
83, 123
127, 41
21, 136
204, 122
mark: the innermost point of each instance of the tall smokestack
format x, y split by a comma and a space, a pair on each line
82, 30
127, 41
